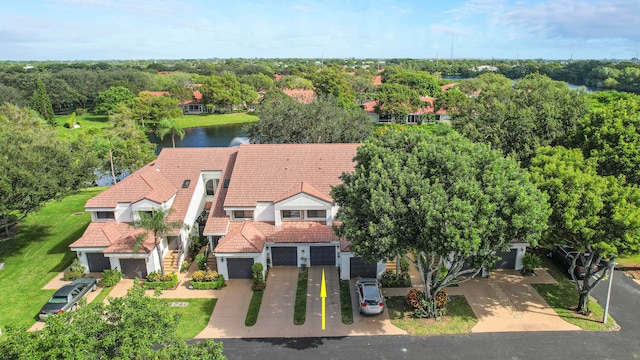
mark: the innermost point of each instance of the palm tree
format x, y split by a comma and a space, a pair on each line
170, 126
156, 223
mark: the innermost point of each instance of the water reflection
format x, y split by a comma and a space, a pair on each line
206, 136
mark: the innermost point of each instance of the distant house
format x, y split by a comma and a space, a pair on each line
189, 107
300, 95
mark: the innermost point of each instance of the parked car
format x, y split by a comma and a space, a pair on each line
564, 255
67, 297
370, 299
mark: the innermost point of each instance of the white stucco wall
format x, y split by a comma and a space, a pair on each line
264, 212
345, 266
221, 260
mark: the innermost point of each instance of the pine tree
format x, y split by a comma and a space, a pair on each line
42, 104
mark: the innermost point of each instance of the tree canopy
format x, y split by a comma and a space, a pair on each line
429, 191
283, 120
42, 104
35, 165
396, 101
131, 327
598, 216
611, 133
108, 100
517, 119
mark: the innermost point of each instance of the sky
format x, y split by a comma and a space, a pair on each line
39, 30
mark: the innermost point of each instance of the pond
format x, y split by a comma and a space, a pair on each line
206, 136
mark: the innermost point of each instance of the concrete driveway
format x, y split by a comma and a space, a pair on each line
276, 312
507, 302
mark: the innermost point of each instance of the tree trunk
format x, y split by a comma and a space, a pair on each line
113, 172
161, 259
6, 224
173, 139
397, 267
583, 303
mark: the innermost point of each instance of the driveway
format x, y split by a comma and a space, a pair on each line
507, 302
276, 312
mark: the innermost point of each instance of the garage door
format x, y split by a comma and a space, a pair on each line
323, 255
134, 268
284, 255
508, 259
360, 268
239, 268
98, 262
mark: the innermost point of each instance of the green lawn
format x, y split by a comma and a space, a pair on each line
459, 320
629, 261
104, 292
195, 316
187, 121
345, 302
87, 123
564, 295
90, 122
254, 308
300, 309
37, 254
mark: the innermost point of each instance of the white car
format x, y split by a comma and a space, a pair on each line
370, 299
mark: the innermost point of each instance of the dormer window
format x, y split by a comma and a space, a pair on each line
210, 187
243, 214
317, 214
105, 215
291, 214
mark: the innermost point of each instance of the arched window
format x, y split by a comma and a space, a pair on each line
210, 187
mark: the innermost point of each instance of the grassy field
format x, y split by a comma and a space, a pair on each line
563, 295
97, 123
37, 254
459, 320
195, 316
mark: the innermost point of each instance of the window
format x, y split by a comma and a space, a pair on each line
211, 187
242, 214
291, 214
105, 215
316, 214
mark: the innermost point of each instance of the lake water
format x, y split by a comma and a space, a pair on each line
206, 136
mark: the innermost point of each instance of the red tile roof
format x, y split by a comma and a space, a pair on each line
263, 172
300, 95
305, 188
242, 239
115, 237
258, 233
448, 86
163, 178
377, 80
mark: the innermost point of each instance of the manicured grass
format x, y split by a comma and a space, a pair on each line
88, 122
628, 261
187, 121
37, 254
345, 302
254, 308
300, 309
563, 295
194, 317
459, 320
104, 292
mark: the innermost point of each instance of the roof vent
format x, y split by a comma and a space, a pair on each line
185, 184
226, 183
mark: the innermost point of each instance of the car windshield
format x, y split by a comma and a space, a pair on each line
371, 294
58, 300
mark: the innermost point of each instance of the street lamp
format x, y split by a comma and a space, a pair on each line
611, 265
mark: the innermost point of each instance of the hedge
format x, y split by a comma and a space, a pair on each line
208, 285
162, 285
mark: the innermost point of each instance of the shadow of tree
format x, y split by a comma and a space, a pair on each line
296, 343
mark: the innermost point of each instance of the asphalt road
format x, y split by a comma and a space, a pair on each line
625, 344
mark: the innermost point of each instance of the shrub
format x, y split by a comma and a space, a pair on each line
75, 271
530, 262
185, 266
205, 275
404, 265
389, 279
201, 260
80, 111
71, 120
196, 283
414, 298
111, 277
159, 282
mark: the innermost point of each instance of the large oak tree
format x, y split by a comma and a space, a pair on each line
599, 216
447, 200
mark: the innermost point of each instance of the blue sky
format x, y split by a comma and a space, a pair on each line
176, 29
